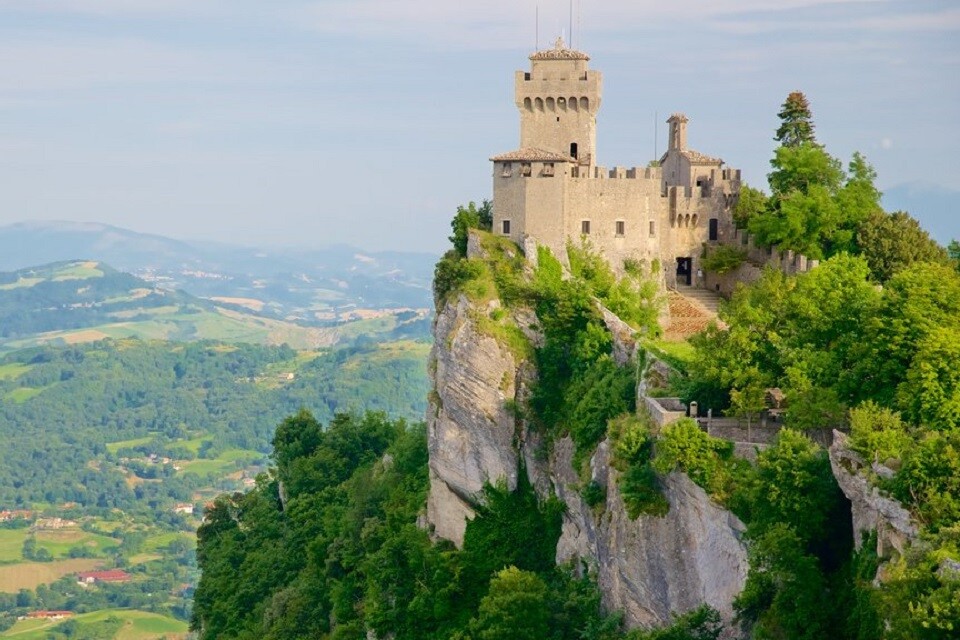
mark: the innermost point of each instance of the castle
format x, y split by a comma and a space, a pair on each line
551, 189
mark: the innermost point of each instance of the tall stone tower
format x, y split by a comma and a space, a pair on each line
558, 101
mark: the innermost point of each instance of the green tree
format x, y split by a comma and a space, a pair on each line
857, 200
514, 607
891, 242
785, 594
796, 121
750, 203
703, 623
930, 394
878, 433
467, 218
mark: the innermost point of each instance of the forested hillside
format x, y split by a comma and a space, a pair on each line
112, 449
63, 406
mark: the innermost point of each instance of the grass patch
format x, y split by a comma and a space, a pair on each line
11, 543
21, 283
30, 575
78, 271
130, 625
114, 447
22, 394
59, 542
223, 462
13, 370
679, 354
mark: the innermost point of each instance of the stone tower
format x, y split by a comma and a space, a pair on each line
678, 132
558, 101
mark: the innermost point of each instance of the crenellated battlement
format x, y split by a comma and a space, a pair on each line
552, 189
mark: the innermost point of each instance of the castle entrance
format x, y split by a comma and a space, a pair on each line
684, 268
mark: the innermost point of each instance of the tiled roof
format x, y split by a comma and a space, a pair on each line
532, 154
700, 158
694, 156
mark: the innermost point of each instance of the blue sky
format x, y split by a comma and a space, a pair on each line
368, 121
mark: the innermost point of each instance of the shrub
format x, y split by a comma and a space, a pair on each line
724, 259
684, 446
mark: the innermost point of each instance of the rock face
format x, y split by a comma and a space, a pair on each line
872, 511
649, 567
471, 432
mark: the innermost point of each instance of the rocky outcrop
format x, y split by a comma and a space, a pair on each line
651, 567
871, 509
471, 429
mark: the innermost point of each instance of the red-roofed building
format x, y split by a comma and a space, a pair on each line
48, 615
111, 575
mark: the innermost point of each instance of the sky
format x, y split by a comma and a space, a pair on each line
309, 123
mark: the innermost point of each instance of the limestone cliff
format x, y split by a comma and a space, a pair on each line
649, 567
471, 434
871, 509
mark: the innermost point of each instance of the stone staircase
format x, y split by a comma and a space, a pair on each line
710, 300
691, 311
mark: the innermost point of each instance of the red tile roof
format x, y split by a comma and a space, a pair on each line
111, 575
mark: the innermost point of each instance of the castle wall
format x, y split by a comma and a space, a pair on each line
630, 196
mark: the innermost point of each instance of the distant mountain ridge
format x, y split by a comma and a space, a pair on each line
80, 301
315, 286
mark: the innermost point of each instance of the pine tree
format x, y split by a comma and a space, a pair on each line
797, 121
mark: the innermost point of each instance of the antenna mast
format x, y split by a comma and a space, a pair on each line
571, 24
655, 141
536, 29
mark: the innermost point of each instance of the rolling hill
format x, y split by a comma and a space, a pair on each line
315, 286
82, 301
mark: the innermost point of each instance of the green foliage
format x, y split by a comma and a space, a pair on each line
929, 478
703, 623
639, 485
342, 554
683, 446
154, 398
604, 391
796, 121
633, 297
512, 528
750, 203
878, 433
724, 259
515, 607
930, 392
796, 488
921, 593
594, 494
953, 253
467, 218
785, 595
452, 273
891, 242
